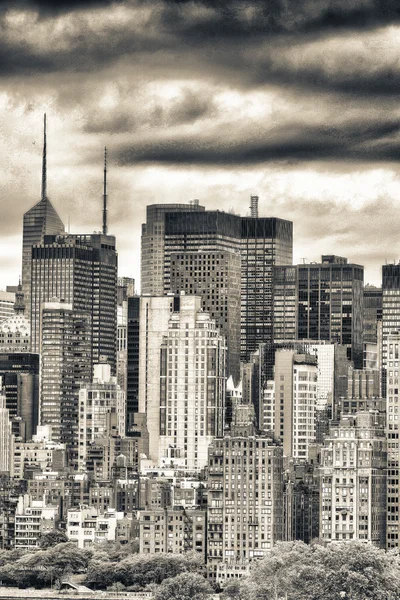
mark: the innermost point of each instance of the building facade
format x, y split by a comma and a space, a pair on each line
33, 518
192, 385
321, 302
353, 481
82, 271
132, 360
7, 301
153, 244
65, 365
261, 242
42, 219
6, 441
290, 402
215, 277
372, 313
245, 503
392, 357
172, 530
181, 379
20, 374
101, 410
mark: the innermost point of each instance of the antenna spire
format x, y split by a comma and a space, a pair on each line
44, 163
105, 194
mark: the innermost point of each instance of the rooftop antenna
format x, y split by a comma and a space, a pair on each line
105, 194
304, 260
44, 163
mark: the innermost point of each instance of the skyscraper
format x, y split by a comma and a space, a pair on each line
152, 247
215, 277
132, 359
392, 358
42, 219
192, 385
291, 413
320, 302
82, 271
261, 242
5, 434
65, 365
181, 378
390, 314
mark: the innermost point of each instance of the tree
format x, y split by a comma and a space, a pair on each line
295, 571
52, 538
233, 591
45, 567
185, 586
137, 570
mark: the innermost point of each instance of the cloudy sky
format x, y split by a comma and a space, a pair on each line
293, 100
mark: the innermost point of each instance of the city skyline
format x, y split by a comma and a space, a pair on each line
208, 100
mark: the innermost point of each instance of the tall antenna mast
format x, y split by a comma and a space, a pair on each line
44, 163
105, 194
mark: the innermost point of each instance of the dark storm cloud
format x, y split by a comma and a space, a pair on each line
184, 110
244, 17
246, 42
52, 7
350, 141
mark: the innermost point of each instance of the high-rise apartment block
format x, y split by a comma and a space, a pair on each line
392, 358
5, 435
154, 315
65, 364
101, 410
261, 242
353, 481
321, 302
192, 385
290, 401
245, 503
82, 271
390, 315
181, 379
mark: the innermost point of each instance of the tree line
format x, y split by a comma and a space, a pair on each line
291, 571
